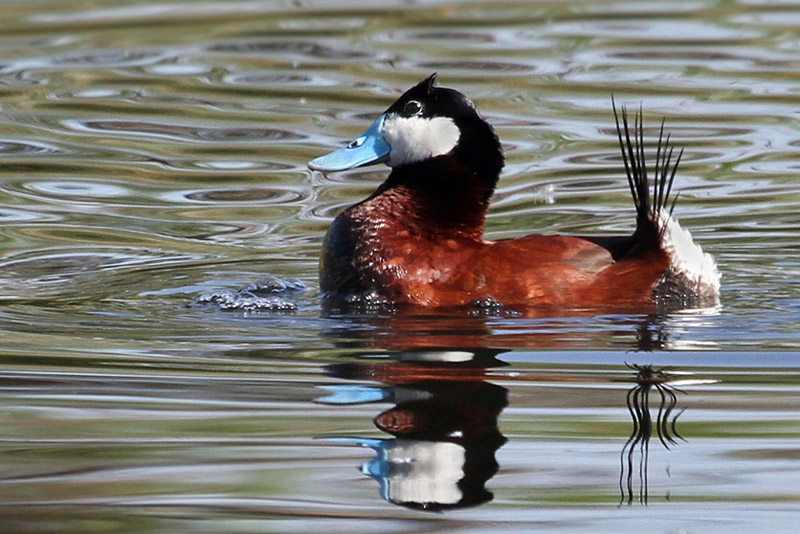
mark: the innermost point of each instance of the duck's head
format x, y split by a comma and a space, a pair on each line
425, 124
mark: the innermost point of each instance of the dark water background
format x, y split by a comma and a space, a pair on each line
151, 153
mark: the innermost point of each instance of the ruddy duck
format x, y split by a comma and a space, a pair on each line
418, 239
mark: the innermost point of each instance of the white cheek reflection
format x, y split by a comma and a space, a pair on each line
425, 472
414, 139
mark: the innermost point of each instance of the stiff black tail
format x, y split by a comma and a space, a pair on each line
631, 144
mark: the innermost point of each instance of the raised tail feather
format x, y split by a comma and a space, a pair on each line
631, 144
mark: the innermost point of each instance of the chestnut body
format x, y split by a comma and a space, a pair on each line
389, 247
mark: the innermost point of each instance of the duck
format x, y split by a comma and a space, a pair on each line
418, 240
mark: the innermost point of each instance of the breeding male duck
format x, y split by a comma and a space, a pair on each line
418, 239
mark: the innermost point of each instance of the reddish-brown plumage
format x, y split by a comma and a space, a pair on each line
411, 261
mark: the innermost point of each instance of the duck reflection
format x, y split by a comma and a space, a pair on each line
572, 330
443, 425
635, 454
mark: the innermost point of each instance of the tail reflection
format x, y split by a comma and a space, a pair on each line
638, 400
444, 426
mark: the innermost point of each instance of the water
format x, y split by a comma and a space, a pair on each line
152, 154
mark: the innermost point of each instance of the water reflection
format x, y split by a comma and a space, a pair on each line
636, 452
443, 425
564, 329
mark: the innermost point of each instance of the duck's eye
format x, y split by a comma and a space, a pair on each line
412, 108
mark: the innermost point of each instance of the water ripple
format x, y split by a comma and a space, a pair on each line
183, 132
15, 148
291, 48
653, 29
270, 79
98, 59
79, 189
258, 196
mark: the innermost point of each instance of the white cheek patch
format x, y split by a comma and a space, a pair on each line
416, 139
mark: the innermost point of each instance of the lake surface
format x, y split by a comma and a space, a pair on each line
155, 201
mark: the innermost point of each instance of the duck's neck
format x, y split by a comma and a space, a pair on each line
448, 194
441, 197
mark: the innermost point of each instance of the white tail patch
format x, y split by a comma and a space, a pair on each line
697, 269
416, 139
